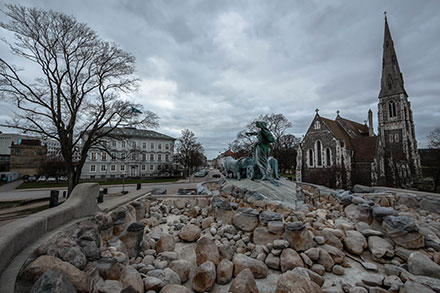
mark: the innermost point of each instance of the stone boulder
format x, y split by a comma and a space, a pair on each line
165, 243
52, 282
403, 231
132, 238
182, 268
244, 282
268, 216
273, 261
131, 277
206, 250
355, 242
262, 236
44, 263
299, 238
246, 219
258, 268
430, 204
421, 264
174, 288
190, 233
110, 286
379, 213
357, 188
225, 270
290, 259
325, 260
204, 277
275, 227
379, 247
291, 282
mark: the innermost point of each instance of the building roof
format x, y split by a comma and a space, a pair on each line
392, 78
359, 129
133, 132
365, 148
338, 131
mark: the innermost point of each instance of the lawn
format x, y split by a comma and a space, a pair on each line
29, 185
288, 175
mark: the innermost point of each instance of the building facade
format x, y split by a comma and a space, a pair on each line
341, 153
129, 152
6, 140
27, 157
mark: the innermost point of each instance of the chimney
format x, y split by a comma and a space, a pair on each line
370, 123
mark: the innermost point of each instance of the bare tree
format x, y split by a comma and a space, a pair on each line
434, 138
276, 123
189, 152
286, 153
77, 90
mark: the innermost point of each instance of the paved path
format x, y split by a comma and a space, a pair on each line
10, 186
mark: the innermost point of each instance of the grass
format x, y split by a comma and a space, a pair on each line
29, 185
288, 175
10, 204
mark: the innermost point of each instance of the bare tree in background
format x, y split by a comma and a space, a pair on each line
276, 123
77, 88
189, 152
434, 138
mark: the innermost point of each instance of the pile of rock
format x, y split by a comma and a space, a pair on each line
236, 241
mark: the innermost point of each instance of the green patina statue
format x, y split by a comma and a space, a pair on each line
261, 153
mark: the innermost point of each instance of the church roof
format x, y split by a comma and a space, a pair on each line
338, 131
392, 79
359, 129
365, 148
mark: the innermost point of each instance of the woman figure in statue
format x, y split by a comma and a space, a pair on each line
265, 138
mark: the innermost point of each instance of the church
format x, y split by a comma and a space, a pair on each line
340, 153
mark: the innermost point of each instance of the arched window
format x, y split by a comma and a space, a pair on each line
310, 158
318, 153
392, 109
396, 137
391, 138
328, 159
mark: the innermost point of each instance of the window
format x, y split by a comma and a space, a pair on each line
103, 168
113, 168
151, 167
92, 168
104, 156
144, 145
143, 168
123, 144
122, 167
317, 125
392, 109
144, 157
167, 158
113, 156
167, 146
159, 146
133, 157
151, 157
114, 143
159, 167
159, 157
93, 156
134, 144
122, 156
391, 138
396, 137
310, 158
328, 161
318, 153
152, 145
17, 152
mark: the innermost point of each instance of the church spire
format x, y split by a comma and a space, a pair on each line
392, 79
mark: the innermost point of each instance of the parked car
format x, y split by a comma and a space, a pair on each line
42, 179
62, 178
51, 179
25, 177
201, 173
31, 179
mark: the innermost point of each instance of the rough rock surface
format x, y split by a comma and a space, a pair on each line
190, 233
204, 277
52, 282
258, 268
225, 270
290, 259
244, 282
207, 250
291, 282
420, 264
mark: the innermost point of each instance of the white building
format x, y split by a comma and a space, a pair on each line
130, 152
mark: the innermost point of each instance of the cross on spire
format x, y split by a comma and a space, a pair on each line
316, 110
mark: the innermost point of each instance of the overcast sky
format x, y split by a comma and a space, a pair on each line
214, 66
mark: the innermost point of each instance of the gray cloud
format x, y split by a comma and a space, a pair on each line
214, 66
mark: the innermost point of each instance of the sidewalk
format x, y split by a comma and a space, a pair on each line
10, 186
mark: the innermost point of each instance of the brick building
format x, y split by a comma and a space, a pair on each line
27, 156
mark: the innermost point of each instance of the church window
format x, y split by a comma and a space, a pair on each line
396, 137
392, 109
318, 153
391, 138
317, 125
310, 158
328, 161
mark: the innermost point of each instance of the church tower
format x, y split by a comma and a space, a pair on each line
396, 124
